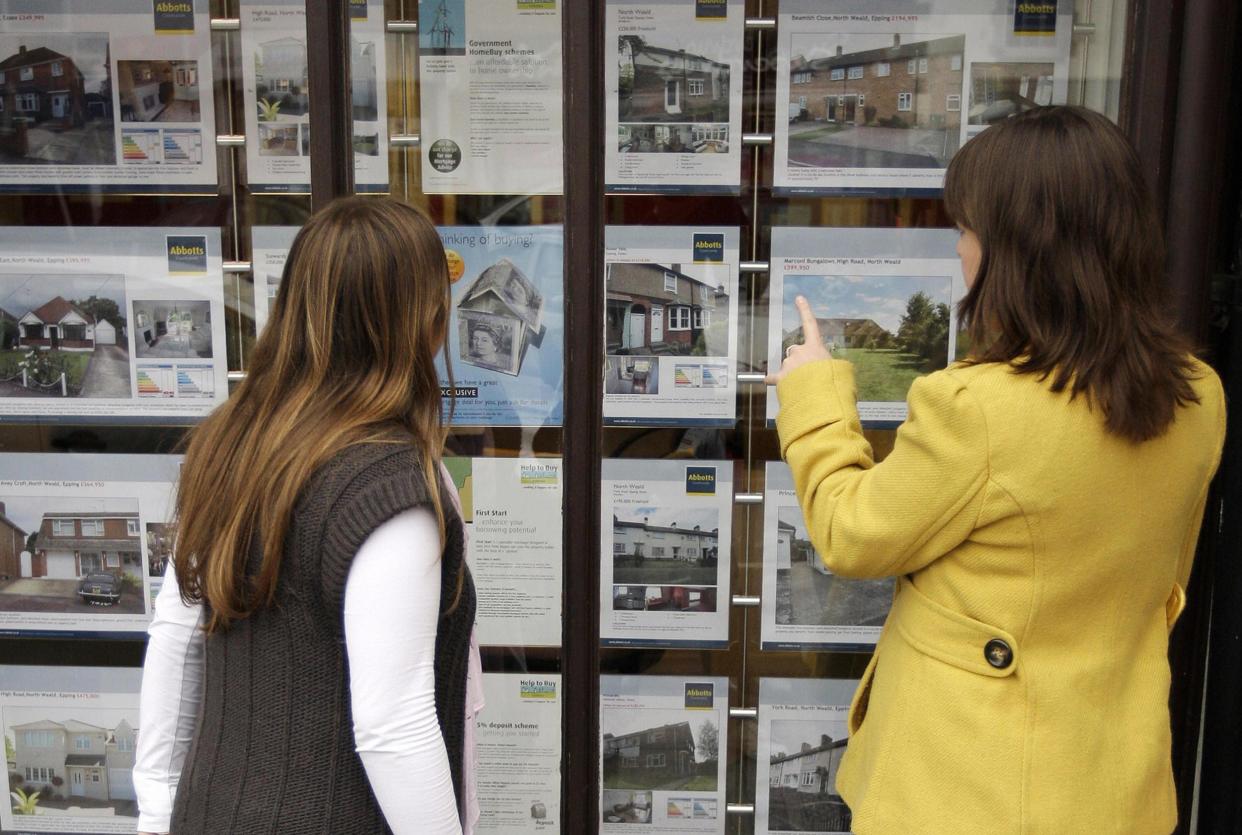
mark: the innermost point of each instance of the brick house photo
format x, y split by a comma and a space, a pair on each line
659, 750
55, 99
79, 761
875, 101
663, 84
60, 543
802, 774
666, 309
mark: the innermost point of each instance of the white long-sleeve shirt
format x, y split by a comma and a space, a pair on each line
392, 599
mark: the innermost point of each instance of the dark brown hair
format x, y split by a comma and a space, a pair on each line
1070, 282
348, 356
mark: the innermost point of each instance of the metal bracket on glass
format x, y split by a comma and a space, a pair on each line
753, 266
402, 26
236, 376
751, 378
1086, 30
760, 23
225, 24
748, 498
756, 139
227, 140
236, 266
746, 601
743, 713
739, 808
405, 140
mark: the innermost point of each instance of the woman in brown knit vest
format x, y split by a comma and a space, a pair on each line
311, 667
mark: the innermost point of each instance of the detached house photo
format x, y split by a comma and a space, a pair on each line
79, 762
55, 99
71, 337
666, 546
802, 775
659, 750
73, 553
666, 309
875, 101
661, 83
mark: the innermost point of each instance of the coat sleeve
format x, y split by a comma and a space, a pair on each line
874, 520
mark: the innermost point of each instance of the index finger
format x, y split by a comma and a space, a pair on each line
810, 325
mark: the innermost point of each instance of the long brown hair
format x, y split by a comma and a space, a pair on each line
347, 356
1070, 281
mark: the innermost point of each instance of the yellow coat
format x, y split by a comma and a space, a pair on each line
1010, 515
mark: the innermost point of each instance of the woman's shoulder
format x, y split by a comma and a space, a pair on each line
386, 469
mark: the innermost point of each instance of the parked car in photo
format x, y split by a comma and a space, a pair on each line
100, 588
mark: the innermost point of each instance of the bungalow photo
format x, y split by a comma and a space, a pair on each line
158, 90
660, 750
875, 100
1000, 89
70, 555
71, 762
172, 329
667, 309
63, 336
663, 81
663, 599
807, 594
893, 328
632, 375
805, 755
56, 99
662, 546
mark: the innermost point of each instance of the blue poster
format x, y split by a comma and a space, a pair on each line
506, 337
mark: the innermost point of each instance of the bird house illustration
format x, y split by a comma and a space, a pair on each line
499, 317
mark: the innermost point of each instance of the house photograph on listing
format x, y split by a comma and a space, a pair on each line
65, 336
660, 750
875, 101
667, 309
671, 99
665, 546
802, 775
70, 555
56, 99
72, 762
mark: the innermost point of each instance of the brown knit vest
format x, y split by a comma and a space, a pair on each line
274, 748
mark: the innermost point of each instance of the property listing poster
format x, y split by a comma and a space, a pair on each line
277, 102
670, 325
69, 734
884, 299
665, 532
491, 78
106, 97
802, 737
506, 338
662, 749
111, 323
84, 542
512, 511
673, 103
518, 742
806, 607
269, 249
877, 95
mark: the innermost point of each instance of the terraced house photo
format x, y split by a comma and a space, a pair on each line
667, 309
802, 775
63, 336
56, 99
80, 555
875, 101
665, 546
71, 763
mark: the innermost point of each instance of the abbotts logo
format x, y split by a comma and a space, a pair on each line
701, 481
1035, 18
711, 9
708, 247
357, 9
537, 688
699, 695
187, 254
173, 17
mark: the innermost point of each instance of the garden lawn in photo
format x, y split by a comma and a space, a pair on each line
883, 374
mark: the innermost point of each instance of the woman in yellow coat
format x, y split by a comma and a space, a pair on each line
1040, 507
